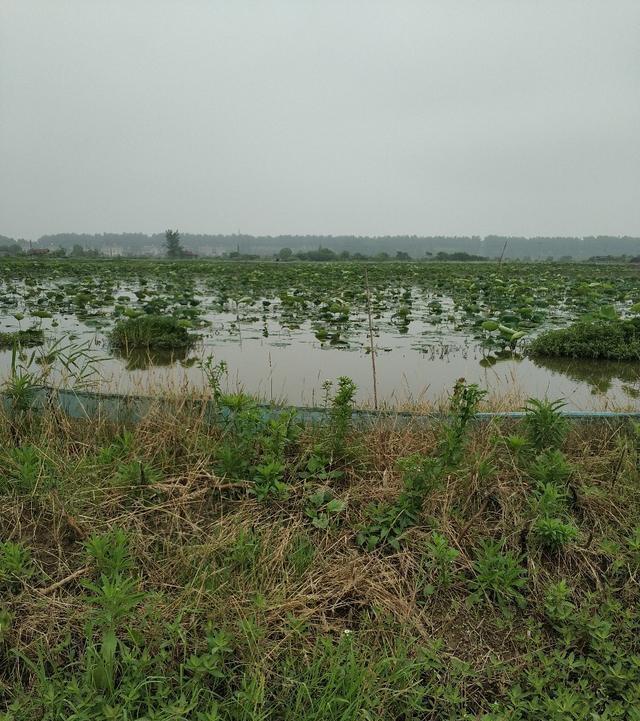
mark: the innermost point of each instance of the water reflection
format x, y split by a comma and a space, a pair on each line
139, 359
600, 375
504, 355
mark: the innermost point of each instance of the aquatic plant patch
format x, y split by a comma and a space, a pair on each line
22, 338
152, 332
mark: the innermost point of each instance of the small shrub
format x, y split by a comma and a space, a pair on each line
151, 332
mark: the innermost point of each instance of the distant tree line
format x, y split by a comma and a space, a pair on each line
326, 254
491, 246
315, 247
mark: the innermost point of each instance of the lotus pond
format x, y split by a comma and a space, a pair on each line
283, 328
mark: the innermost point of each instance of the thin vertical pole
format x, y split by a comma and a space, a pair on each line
371, 344
504, 247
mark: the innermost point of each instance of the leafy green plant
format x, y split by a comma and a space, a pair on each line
545, 426
550, 499
340, 418
553, 533
441, 560
114, 597
246, 549
268, 480
211, 663
318, 466
5, 624
498, 576
120, 447
421, 474
134, 473
214, 373
110, 551
557, 603
463, 407
517, 444
551, 466
24, 469
390, 522
15, 564
323, 508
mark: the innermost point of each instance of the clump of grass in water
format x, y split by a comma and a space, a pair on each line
151, 332
24, 338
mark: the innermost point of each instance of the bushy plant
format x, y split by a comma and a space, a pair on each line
23, 469
557, 603
340, 413
551, 466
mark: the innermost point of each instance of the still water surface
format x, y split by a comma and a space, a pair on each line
414, 365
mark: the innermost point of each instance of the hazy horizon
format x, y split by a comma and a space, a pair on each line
363, 118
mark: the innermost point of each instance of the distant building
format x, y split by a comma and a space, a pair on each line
38, 251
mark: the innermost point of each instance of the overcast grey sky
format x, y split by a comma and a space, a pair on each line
320, 116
